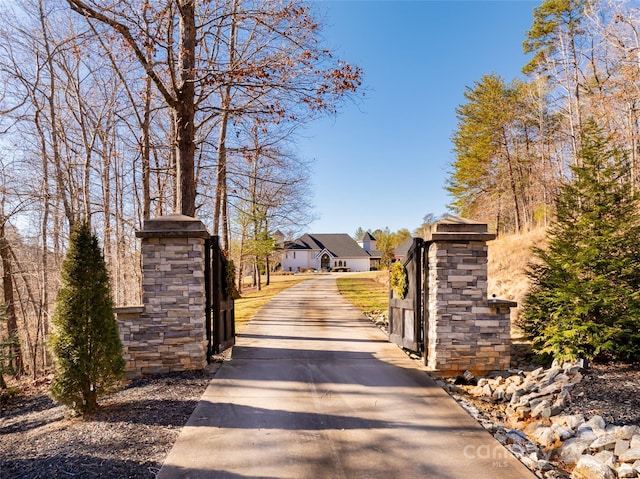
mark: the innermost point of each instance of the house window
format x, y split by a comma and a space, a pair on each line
294, 255
335, 263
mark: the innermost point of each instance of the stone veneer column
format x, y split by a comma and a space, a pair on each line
169, 333
464, 331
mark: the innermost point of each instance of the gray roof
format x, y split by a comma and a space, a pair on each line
367, 237
376, 254
340, 245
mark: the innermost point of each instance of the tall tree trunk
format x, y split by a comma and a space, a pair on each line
258, 278
185, 112
15, 351
55, 145
267, 271
225, 220
241, 263
32, 345
146, 153
512, 181
221, 209
221, 176
43, 326
180, 97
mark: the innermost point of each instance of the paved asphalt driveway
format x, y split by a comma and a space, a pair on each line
314, 390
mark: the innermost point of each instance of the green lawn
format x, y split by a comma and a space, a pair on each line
365, 293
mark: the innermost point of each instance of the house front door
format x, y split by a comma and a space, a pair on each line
325, 262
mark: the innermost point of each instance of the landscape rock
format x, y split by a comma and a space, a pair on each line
606, 457
515, 380
499, 394
626, 432
590, 468
572, 421
487, 391
596, 423
542, 409
622, 446
543, 465
476, 391
562, 432
625, 470
571, 451
518, 450
605, 442
586, 432
536, 431
531, 428
631, 455
544, 436
561, 402
515, 437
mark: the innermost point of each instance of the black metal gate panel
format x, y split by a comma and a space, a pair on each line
406, 323
220, 313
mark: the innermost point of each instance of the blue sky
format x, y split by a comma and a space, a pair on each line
383, 162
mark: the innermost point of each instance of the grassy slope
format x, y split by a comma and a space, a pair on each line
508, 259
366, 291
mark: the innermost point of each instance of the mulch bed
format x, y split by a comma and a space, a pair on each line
129, 437
611, 391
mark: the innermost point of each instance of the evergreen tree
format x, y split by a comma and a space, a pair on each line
585, 294
85, 341
492, 166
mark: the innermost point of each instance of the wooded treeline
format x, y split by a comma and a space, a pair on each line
515, 141
118, 112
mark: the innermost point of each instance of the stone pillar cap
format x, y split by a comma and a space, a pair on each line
173, 226
455, 228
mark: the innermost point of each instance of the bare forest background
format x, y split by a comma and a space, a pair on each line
121, 111
516, 140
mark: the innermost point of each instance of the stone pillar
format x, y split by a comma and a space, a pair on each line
168, 332
464, 332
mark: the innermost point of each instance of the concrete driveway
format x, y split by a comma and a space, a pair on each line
314, 390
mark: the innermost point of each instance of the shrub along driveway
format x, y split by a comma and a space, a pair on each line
315, 391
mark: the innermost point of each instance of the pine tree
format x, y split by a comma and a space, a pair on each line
585, 294
85, 341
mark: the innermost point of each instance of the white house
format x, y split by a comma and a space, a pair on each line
369, 243
324, 252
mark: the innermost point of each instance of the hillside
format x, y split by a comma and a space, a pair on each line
508, 258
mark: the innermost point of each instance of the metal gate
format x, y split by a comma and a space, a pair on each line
406, 318
220, 313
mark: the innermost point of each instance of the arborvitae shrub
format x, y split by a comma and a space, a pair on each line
85, 340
